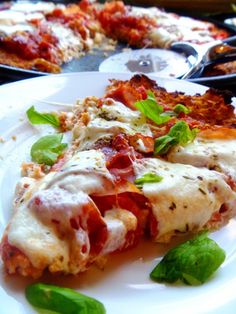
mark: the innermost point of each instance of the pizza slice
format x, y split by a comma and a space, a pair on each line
57, 225
105, 118
110, 189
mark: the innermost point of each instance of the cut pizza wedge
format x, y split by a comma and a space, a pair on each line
112, 187
57, 225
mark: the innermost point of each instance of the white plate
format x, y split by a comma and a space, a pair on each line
124, 286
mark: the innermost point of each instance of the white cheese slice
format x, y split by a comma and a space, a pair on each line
214, 154
186, 198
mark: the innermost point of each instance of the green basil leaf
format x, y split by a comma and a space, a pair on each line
181, 108
180, 133
183, 134
151, 109
36, 117
192, 262
147, 178
163, 144
47, 149
62, 300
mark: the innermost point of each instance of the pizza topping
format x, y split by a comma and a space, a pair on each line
47, 149
209, 109
108, 121
181, 108
192, 262
29, 7
147, 178
40, 43
190, 204
39, 243
71, 213
151, 109
180, 134
86, 171
69, 43
213, 153
141, 143
36, 117
119, 223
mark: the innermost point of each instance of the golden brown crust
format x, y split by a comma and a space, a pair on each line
212, 108
38, 64
16, 262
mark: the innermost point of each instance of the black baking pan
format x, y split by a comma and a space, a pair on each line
92, 60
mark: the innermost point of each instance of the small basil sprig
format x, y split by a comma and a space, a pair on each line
62, 300
181, 108
192, 262
36, 117
151, 109
47, 149
176, 111
147, 178
180, 133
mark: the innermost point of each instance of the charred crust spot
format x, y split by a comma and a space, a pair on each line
172, 206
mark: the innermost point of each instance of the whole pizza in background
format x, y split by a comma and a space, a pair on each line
43, 36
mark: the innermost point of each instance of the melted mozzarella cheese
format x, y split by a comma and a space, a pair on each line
11, 29
8, 17
213, 154
71, 44
39, 240
27, 7
86, 171
186, 197
143, 12
161, 37
171, 27
109, 120
119, 222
